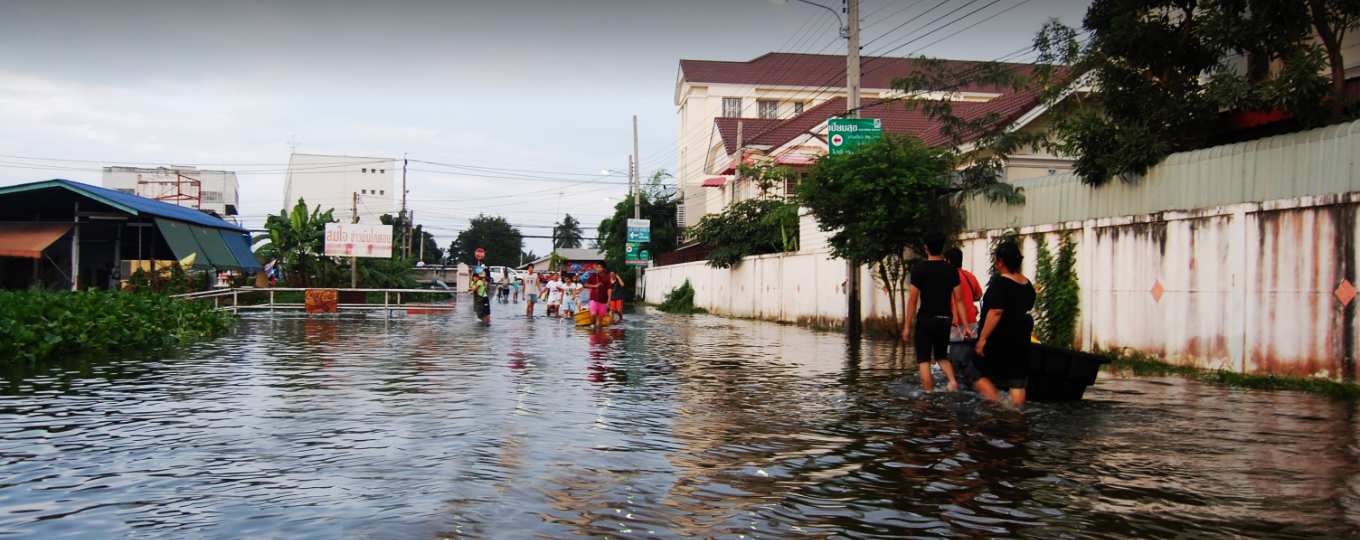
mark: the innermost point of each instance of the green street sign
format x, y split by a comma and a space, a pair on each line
634, 255
846, 134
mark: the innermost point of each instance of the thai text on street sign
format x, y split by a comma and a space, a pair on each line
639, 230
321, 300
846, 134
480, 254
346, 240
634, 255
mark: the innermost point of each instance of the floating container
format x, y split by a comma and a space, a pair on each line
1055, 374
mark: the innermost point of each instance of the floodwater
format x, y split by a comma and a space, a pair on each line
435, 426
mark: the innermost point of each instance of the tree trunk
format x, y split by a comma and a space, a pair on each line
1332, 42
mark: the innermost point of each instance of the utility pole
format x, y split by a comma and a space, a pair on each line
853, 323
637, 175
354, 261
736, 164
410, 233
404, 238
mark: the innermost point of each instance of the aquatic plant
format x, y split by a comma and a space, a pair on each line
681, 300
1146, 365
37, 325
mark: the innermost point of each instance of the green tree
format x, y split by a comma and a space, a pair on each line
567, 233
742, 229
297, 240
661, 209
1163, 76
494, 235
877, 202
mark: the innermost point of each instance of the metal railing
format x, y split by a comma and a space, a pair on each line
219, 296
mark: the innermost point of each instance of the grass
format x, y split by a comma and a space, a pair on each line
1146, 365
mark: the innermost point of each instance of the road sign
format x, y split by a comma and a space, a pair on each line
480, 254
634, 255
639, 230
846, 134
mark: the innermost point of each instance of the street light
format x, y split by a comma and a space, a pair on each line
845, 30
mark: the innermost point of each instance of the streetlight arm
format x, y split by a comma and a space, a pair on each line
844, 30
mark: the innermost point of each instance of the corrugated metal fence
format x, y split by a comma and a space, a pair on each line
1310, 163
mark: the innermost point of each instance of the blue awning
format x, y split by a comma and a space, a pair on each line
239, 243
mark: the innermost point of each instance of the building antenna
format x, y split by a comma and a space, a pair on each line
293, 144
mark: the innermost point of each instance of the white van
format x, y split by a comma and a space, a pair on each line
497, 272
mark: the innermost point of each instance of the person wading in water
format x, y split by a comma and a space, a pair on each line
481, 302
598, 285
1003, 344
936, 285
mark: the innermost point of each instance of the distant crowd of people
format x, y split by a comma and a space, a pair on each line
564, 294
943, 297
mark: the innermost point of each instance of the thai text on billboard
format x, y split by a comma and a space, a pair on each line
345, 240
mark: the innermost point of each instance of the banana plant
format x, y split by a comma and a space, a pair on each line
297, 240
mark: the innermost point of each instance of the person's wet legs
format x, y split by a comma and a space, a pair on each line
988, 390
948, 368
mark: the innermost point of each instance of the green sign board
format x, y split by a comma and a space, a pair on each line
639, 230
634, 255
846, 134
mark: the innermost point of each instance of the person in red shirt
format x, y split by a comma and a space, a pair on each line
598, 283
971, 290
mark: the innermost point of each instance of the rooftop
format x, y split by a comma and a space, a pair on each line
807, 70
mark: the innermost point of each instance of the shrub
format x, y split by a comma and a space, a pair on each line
681, 300
37, 325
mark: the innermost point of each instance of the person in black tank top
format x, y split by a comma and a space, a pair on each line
1003, 343
935, 283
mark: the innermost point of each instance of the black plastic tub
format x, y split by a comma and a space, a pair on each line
1055, 374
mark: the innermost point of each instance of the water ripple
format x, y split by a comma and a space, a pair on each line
439, 427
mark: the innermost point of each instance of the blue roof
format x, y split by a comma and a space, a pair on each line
129, 203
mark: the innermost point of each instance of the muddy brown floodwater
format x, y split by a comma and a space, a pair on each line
435, 426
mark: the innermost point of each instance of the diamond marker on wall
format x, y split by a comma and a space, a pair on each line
1157, 291
1345, 293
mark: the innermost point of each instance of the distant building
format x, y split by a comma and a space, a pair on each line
332, 182
214, 192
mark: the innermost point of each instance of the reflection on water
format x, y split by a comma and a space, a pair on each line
436, 426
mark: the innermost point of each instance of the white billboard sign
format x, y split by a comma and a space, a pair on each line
345, 240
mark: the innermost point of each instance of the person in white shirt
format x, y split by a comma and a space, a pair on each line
530, 291
554, 288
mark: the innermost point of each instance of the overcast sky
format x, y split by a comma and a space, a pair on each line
546, 86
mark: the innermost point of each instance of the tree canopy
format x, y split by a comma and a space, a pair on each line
1166, 71
567, 233
502, 242
661, 209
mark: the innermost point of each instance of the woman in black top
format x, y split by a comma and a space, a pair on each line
1003, 345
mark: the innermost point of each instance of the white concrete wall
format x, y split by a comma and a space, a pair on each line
1248, 287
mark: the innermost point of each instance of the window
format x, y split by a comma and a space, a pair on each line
797, 108
364, 170
382, 192
384, 171
769, 109
731, 107
363, 192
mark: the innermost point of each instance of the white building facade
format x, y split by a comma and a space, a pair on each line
334, 181
217, 192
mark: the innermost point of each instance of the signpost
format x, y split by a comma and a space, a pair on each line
639, 230
846, 134
480, 254
352, 240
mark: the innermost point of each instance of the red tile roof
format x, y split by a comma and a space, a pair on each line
896, 118
714, 182
805, 70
